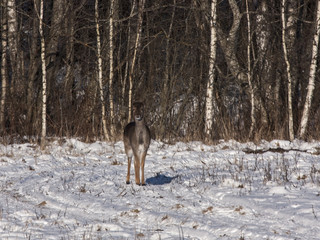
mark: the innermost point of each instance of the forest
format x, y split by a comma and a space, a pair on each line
205, 69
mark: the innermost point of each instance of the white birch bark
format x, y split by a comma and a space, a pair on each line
285, 51
44, 78
4, 78
311, 84
102, 101
262, 31
112, 130
136, 46
209, 107
291, 23
252, 97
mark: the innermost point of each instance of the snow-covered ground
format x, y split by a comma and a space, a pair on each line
231, 190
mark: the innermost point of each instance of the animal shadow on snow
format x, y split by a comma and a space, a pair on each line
160, 179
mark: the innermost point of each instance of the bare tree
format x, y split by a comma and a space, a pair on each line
312, 75
32, 71
4, 78
70, 30
135, 51
165, 94
204, 64
111, 35
99, 56
269, 85
127, 64
285, 51
263, 32
44, 76
229, 42
58, 13
291, 24
209, 107
249, 73
13, 40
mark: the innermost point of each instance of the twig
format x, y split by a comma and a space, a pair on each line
314, 213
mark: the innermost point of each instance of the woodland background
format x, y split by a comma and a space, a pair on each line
102, 55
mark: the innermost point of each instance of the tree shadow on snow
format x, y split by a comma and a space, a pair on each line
160, 179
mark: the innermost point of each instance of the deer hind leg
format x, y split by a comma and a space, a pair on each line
137, 168
128, 173
143, 158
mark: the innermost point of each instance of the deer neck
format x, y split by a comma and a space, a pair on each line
140, 131
140, 124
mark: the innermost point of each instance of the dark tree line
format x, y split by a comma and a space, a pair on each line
158, 52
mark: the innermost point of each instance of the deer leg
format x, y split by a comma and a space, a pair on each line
128, 173
137, 169
143, 158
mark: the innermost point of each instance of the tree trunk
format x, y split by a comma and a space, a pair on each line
262, 31
102, 101
112, 120
136, 46
13, 42
44, 78
291, 24
4, 76
249, 74
312, 74
268, 84
127, 65
209, 105
58, 13
69, 31
32, 73
290, 114
229, 43
165, 93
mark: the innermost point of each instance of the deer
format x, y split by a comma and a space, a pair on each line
136, 139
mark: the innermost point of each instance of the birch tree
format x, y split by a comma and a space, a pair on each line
262, 32
288, 68
99, 56
264, 64
112, 5
252, 98
312, 75
4, 78
209, 106
291, 24
44, 77
135, 50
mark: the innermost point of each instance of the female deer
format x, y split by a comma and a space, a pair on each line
136, 138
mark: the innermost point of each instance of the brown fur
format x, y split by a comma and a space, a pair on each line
136, 138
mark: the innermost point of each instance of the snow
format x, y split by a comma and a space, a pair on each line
232, 190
